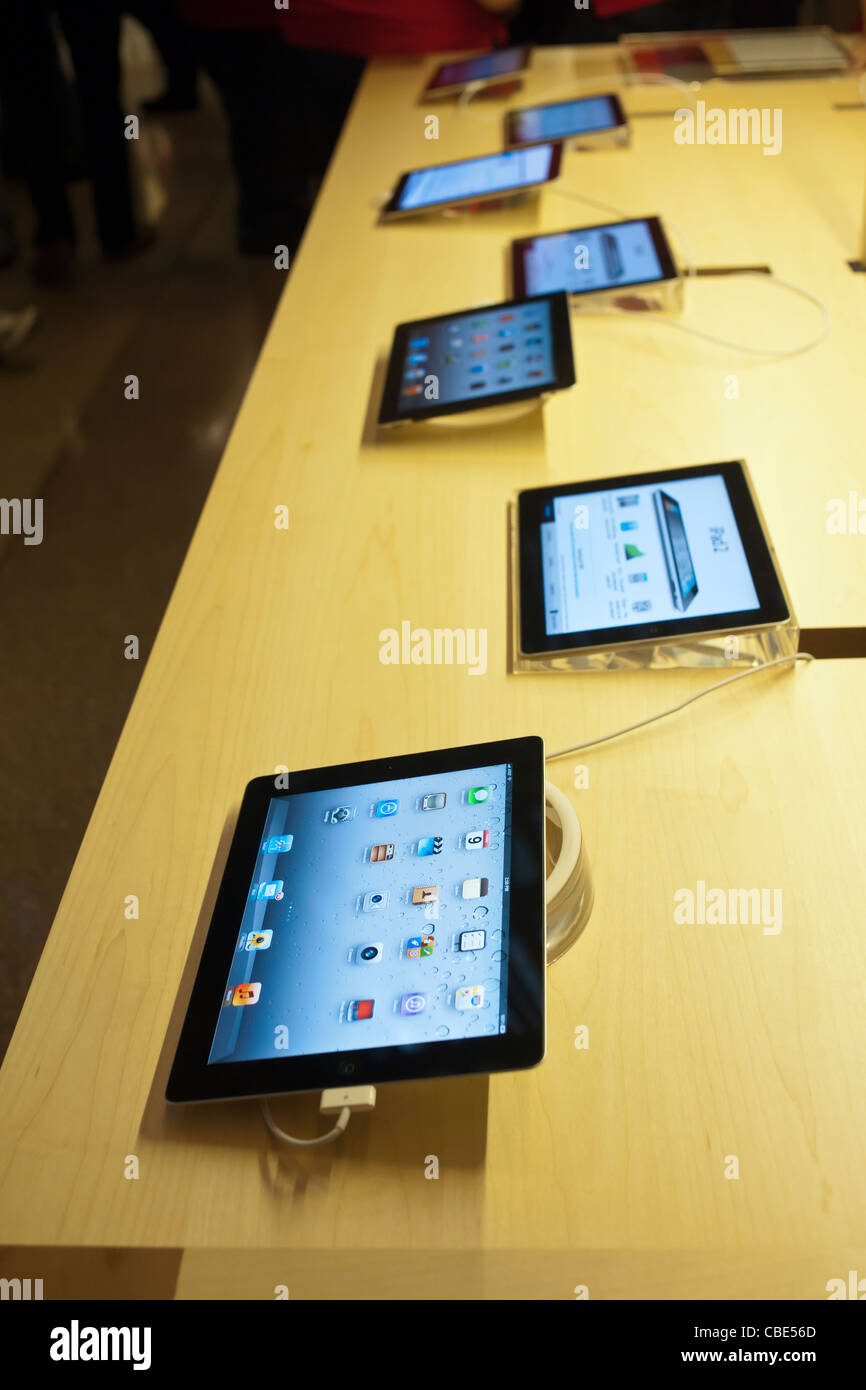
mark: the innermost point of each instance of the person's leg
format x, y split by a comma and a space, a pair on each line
173, 40
32, 92
251, 71
92, 32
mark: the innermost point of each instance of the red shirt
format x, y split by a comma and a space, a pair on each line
604, 8
369, 28
366, 28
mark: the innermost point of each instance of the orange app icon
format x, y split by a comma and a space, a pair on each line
428, 894
246, 994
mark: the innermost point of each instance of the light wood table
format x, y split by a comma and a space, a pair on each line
605, 1166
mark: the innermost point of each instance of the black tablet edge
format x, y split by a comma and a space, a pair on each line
774, 606
660, 245
563, 362
523, 50
510, 118
192, 1080
392, 207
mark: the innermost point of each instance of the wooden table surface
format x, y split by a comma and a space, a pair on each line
605, 1166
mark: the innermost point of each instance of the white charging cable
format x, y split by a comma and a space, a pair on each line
337, 1101
674, 709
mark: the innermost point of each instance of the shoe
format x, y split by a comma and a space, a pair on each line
15, 326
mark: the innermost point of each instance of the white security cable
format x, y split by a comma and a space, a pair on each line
674, 709
691, 271
339, 1128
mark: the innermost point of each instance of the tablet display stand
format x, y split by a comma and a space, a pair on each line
568, 888
659, 296
738, 648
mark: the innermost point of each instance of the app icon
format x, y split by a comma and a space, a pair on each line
638, 577
427, 944
469, 997
419, 342
475, 887
506, 318
386, 808
246, 994
369, 954
431, 844
533, 375
433, 801
360, 1008
628, 525
373, 902
258, 940
278, 844
504, 380
477, 795
413, 1004
480, 337
477, 839
378, 853
477, 385
503, 363
632, 552
472, 940
412, 390
417, 357
265, 891
643, 606
414, 373
340, 814
479, 367
427, 894
413, 947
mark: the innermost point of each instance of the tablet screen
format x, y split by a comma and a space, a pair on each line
475, 178
377, 915
563, 119
618, 557
477, 355
498, 64
594, 258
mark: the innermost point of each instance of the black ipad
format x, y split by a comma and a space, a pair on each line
644, 558
564, 120
376, 921
462, 181
584, 260
451, 78
478, 357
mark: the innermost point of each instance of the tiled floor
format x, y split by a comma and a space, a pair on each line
122, 484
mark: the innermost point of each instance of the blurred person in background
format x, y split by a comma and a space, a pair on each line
287, 78
33, 92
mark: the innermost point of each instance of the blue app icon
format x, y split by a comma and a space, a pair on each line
387, 808
278, 844
432, 844
419, 342
628, 525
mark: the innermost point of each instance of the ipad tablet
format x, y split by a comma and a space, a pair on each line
565, 120
587, 260
376, 921
644, 558
464, 181
478, 357
488, 68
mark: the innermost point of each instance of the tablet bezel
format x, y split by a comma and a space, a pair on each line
563, 363
660, 242
522, 1045
431, 91
511, 119
773, 606
393, 212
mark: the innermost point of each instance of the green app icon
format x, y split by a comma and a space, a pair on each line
632, 552
477, 795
